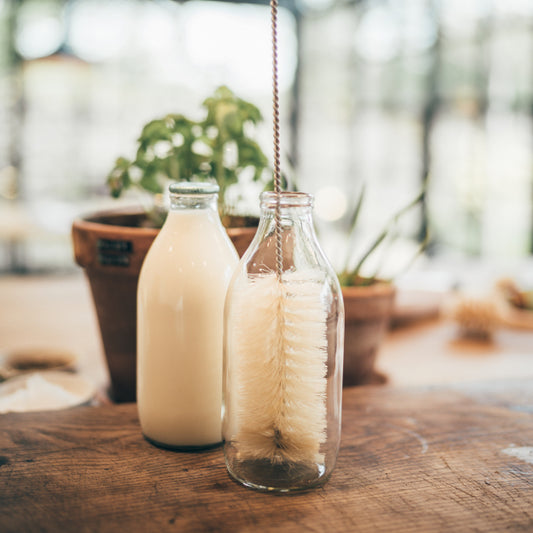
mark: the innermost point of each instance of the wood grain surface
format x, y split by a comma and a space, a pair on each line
454, 459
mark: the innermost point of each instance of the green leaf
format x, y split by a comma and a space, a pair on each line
122, 163
173, 168
249, 112
119, 178
380, 238
358, 207
251, 154
154, 131
353, 225
150, 182
230, 177
387, 231
184, 126
232, 125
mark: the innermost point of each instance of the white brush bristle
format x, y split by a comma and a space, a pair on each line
280, 354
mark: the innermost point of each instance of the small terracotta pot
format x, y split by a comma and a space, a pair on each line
367, 315
111, 247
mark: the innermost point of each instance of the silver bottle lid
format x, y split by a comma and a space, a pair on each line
193, 187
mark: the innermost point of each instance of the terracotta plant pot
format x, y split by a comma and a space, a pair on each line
111, 246
367, 314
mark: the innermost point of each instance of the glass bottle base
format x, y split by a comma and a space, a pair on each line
263, 475
180, 448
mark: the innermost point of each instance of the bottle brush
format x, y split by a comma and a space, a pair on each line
280, 355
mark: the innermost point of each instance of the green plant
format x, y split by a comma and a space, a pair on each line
175, 147
350, 277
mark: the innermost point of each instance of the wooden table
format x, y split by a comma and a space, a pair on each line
412, 459
455, 457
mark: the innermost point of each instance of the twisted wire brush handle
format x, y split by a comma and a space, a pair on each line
277, 165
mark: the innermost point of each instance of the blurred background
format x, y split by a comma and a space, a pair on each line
397, 95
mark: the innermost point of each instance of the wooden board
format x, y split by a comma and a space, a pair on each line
411, 460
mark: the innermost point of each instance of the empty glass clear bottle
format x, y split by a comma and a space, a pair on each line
283, 354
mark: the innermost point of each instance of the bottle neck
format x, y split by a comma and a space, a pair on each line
296, 243
292, 207
185, 202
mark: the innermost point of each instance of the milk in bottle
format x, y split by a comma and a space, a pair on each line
180, 306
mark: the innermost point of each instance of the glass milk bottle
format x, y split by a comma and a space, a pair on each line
283, 354
180, 305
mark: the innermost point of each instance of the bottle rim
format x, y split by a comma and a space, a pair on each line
193, 187
269, 199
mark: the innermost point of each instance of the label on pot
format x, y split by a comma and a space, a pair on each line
111, 245
114, 252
